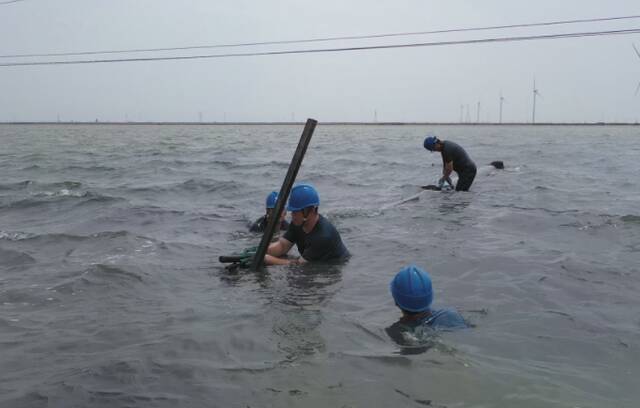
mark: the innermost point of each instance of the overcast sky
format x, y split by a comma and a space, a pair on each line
583, 79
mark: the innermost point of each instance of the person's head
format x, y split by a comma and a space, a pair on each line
411, 289
270, 203
303, 203
432, 143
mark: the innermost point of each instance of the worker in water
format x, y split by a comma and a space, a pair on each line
314, 236
413, 293
261, 223
454, 158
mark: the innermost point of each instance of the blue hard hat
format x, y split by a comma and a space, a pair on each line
430, 142
411, 289
271, 199
303, 196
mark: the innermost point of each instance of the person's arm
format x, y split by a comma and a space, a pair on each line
276, 250
279, 248
274, 260
447, 169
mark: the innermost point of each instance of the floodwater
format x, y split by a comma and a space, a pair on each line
111, 294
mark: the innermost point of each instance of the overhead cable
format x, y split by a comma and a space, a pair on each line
343, 49
327, 39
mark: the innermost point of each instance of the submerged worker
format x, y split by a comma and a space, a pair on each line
315, 237
413, 293
261, 223
454, 158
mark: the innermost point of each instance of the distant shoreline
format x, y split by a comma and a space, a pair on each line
333, 123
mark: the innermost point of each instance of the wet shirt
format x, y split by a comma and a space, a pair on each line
454, 152
444, 319
261, 224
323, 243
417, 336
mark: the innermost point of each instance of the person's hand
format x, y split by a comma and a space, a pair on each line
246, 257
450, 182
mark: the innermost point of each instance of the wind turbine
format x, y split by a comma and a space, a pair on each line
478, 113
638, 54
501, 102
535, 94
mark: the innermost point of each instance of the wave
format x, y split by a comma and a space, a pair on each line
547, 210
191, 185
30, 184
54, 197
15, 236
65, 192
89, 168
353, 212
122, 238
271, 164
58, 238
633, 219
589, 221
15, 258
19, 185
99, 275
31, 167
104, 273
136, 212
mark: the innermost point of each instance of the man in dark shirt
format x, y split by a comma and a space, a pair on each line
261, 223
315, 237
454, 158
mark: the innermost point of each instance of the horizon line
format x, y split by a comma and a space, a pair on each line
331, 123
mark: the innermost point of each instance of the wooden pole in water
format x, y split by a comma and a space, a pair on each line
274, 221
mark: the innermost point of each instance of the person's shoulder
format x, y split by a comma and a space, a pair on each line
326, 226
446, 319
448, 146
257, 226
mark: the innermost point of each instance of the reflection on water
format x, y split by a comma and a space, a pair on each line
295, 295
454, 203
297, 308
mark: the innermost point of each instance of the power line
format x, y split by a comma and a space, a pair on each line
326, 39
9, 2
322, 50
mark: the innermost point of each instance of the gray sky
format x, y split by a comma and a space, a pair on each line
585, 79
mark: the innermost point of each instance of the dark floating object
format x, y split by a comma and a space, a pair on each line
498, 164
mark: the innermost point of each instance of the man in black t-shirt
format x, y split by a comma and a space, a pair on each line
315, 237
454, 158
